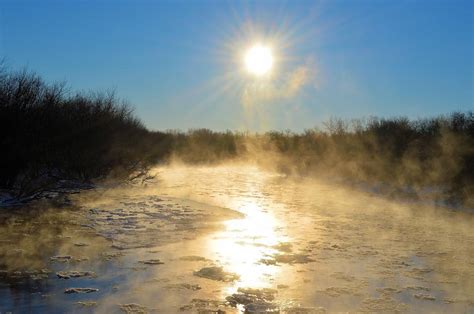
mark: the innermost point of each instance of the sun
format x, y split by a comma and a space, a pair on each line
259, 60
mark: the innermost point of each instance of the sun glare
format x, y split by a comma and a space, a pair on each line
259, 60
244, 243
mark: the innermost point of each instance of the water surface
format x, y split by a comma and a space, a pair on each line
235, 239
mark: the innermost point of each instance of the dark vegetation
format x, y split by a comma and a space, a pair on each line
50, 138
53, 139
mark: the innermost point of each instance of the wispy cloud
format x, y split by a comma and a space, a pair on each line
268, 92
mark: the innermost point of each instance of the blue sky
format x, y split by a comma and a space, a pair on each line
179, 62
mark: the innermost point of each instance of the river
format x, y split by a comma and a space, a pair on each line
235, 239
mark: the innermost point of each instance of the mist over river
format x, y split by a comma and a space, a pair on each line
235, 239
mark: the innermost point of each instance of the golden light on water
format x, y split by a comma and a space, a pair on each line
244, 243
259, 60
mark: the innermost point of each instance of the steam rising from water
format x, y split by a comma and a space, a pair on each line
296, 243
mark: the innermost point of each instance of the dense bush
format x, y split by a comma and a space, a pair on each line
204, 146
49, 136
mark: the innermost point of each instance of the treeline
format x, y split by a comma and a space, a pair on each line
425, 157
51, 138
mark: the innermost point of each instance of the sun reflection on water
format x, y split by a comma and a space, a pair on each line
244, 243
